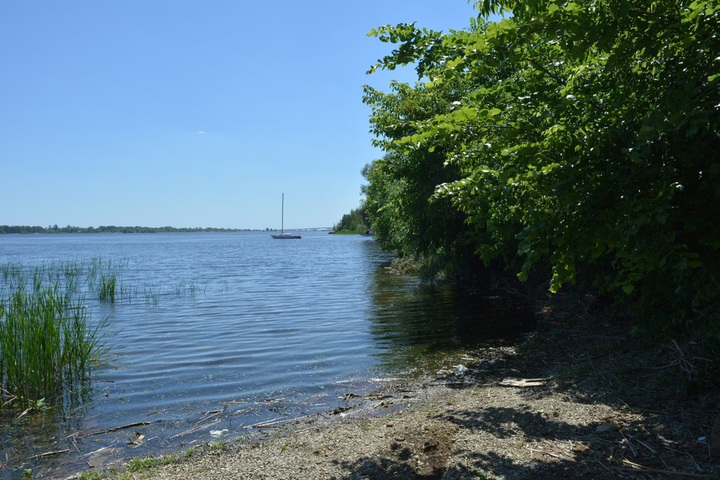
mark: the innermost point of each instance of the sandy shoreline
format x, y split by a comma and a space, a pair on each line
474, 425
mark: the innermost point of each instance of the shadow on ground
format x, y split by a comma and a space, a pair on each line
646, 427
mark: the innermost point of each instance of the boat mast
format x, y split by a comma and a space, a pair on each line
282, 216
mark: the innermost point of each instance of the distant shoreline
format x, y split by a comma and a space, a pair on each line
23, 229
54, 230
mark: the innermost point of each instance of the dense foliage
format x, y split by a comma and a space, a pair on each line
576, 141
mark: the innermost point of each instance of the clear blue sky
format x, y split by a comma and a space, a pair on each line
192, 113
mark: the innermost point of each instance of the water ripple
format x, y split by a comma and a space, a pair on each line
229, 321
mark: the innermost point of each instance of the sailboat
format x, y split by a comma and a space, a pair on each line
283, 235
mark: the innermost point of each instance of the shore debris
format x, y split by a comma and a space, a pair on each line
109, 430
523, 382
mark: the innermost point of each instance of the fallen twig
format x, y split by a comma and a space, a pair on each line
9, 400
605, 466
48, 454
266, 424
557, 453
652, 450
195, 429
641, 468
24, 413
632, 449
110, 430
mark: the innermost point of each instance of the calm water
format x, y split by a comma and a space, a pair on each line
221, 331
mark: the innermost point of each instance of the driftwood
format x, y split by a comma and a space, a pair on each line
110, 430
523, 382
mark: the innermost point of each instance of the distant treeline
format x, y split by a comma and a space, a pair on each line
106, 229
355, 221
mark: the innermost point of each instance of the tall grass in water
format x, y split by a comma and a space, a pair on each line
47, 342
106, 288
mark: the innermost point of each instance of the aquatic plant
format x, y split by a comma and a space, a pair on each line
106, 288
127, 292
151, 295
46, 344
47, 339
182, 289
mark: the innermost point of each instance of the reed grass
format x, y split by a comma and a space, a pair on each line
48, 342
180, 288
151, 296
106, 289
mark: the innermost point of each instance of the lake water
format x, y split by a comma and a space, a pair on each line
220, 331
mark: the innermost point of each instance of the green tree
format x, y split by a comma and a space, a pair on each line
406, 214
576, 140
354, 221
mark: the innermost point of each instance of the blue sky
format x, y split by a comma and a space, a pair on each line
192, 114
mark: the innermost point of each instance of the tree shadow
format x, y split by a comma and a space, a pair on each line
545, 447
524, 441
385, 469
547, 461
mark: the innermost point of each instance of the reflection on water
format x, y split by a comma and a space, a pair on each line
417, 324
217, 332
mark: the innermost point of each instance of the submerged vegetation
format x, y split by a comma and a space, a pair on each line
572, 145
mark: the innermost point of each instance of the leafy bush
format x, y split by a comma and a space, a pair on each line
575, 141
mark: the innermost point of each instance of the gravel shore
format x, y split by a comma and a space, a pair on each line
575, 419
